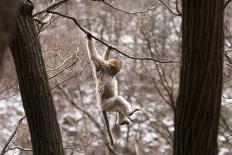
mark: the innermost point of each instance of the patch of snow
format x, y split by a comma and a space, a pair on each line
126, 39
223, 151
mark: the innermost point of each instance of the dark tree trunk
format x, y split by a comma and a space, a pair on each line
8, 13
34, 86
199, 99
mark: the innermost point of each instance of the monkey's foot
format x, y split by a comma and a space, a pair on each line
134, 109
124, 121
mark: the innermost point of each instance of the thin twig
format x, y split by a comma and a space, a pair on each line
108, 45
227, 2
18, 148
71, 100
129, 12
177, 7
72, 64
4, 149
8, 87
170, 10
161, 132
59, 66
10, 95
73, 148
97, 124
144, 11
51, 7
75, 75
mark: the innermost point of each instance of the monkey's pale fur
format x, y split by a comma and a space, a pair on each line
105, 70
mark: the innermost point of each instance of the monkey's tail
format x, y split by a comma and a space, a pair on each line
108, 128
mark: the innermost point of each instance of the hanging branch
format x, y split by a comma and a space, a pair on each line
106, 44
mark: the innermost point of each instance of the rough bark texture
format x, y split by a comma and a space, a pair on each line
199, 99
34, 86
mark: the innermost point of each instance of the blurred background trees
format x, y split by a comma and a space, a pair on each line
138, 28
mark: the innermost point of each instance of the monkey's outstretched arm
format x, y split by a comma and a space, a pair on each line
106, 55
92, 52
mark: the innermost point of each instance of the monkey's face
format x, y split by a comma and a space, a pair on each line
115, 65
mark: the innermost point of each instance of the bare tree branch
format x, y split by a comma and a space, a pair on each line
78, 148
97, 124
177, 7
51, 7
227, 2
75, 75
16, 93
72, 64
5, 147
128, 12
108, 45
18, 148
162, 131
144, 11
8, 87
170, 10
59, 66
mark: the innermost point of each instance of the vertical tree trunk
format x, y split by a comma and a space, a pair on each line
199, 99
8, 13
34, 86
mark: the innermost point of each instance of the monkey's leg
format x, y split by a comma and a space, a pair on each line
125, 107
117, 104
120, 105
